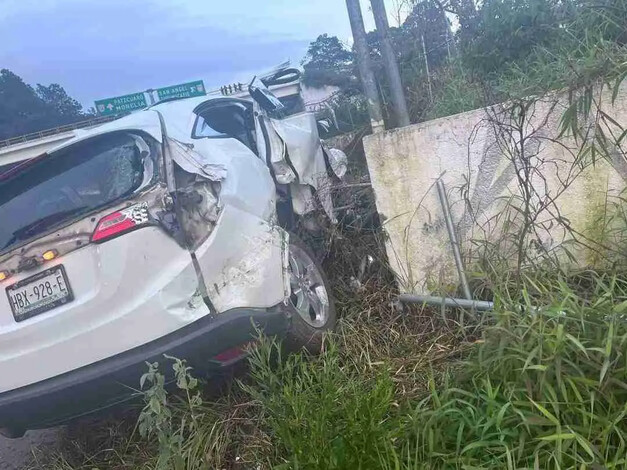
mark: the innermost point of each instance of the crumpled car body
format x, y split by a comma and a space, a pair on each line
140, 234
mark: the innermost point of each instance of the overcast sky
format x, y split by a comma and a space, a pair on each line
102, 48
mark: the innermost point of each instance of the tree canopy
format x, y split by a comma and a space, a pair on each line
328, 62
24, 109
498, 49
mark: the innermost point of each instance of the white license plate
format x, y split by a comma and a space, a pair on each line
39, 293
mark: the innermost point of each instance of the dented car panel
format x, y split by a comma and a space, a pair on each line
297, 158
274, 151
300, 135
248, 185
242, 260
248, 269
195, 162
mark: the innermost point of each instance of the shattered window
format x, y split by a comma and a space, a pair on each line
46, 192
219, 121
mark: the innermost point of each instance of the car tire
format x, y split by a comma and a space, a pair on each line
310, 305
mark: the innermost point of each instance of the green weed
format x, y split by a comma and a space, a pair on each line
321, 413
545, 388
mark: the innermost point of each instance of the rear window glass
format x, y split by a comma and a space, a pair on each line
41, 194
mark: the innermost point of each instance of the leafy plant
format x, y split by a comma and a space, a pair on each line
156, 419
320, 413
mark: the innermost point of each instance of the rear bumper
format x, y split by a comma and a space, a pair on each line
116, 379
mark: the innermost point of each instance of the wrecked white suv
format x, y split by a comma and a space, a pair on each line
163, 232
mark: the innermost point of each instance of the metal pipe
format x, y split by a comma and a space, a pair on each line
424, 51
479, 305
454, 243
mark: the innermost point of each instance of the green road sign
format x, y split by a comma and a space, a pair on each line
185, 90
120, 104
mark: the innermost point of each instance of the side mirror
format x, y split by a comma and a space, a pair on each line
264, 97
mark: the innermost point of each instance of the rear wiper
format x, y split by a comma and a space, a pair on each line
41, 225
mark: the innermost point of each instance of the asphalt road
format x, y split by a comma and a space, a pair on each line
17, 454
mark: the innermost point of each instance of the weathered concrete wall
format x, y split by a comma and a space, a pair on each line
479, 155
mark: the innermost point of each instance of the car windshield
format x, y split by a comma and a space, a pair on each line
40, 194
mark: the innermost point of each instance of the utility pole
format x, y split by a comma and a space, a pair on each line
365, 66
424, 52
391, 65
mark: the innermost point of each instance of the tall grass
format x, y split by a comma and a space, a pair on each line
321, 414
539, 383
545, 387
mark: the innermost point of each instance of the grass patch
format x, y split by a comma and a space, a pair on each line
320, 413
543, 389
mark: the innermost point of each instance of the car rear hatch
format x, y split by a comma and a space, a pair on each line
78, 281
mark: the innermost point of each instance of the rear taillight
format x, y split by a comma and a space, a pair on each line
120, 222
4, 275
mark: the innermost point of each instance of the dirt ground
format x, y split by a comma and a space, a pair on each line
16, 454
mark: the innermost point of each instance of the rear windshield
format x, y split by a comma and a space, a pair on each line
41, 194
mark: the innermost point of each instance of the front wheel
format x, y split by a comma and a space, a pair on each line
310, 304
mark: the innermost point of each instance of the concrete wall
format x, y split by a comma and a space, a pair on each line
478, 156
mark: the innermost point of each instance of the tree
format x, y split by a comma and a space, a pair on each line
507, 31
328, 62
427, 20
58, 101
21, 110
24, 110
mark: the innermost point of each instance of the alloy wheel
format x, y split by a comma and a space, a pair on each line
308, 293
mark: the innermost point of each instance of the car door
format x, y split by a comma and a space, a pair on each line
291, 147
227, 207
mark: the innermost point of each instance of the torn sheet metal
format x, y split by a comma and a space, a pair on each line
283, 172
299, 134
248, 185
303, 200
338, 161
198, 212
242, 262
194, 162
